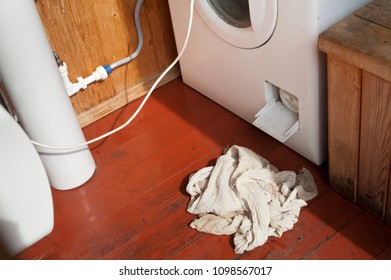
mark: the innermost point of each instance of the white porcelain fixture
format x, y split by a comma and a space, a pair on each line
26, 207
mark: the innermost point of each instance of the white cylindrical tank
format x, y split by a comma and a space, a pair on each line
30, 75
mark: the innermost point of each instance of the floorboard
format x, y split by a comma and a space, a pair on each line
134, 207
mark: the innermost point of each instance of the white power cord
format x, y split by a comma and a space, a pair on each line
142, 103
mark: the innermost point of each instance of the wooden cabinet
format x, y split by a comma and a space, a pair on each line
358, 52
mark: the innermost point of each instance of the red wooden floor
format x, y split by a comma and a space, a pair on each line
134, 207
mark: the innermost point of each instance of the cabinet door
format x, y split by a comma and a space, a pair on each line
344, 96
375, 145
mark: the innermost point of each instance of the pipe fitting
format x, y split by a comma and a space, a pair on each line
82, 83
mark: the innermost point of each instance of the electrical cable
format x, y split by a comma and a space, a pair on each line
142, 103
139, 36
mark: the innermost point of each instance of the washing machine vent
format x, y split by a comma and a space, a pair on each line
280, 116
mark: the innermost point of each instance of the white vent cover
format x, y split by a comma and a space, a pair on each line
280, 116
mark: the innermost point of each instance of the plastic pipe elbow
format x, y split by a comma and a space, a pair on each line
70, 87
100, 73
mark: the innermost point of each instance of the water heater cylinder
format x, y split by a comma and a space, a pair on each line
29, 74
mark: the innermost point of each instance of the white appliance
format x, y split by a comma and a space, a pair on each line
26, 207
259, 59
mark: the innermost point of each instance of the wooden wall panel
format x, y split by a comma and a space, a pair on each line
90, 33
344, 125
375, 145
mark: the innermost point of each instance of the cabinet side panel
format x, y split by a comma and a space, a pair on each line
344, 98
375, 150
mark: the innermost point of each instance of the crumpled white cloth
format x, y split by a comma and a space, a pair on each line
243, 194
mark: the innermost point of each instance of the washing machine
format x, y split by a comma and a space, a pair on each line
259, 59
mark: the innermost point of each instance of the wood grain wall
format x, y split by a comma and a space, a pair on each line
90, 33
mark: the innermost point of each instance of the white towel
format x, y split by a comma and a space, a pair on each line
243, 194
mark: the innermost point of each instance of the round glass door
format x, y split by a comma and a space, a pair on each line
235, 13
244, 24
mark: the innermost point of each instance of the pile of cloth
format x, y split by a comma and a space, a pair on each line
244, 195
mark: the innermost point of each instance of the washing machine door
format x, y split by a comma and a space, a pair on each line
244, 24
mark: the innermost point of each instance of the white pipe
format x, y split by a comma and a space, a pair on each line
30, 75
